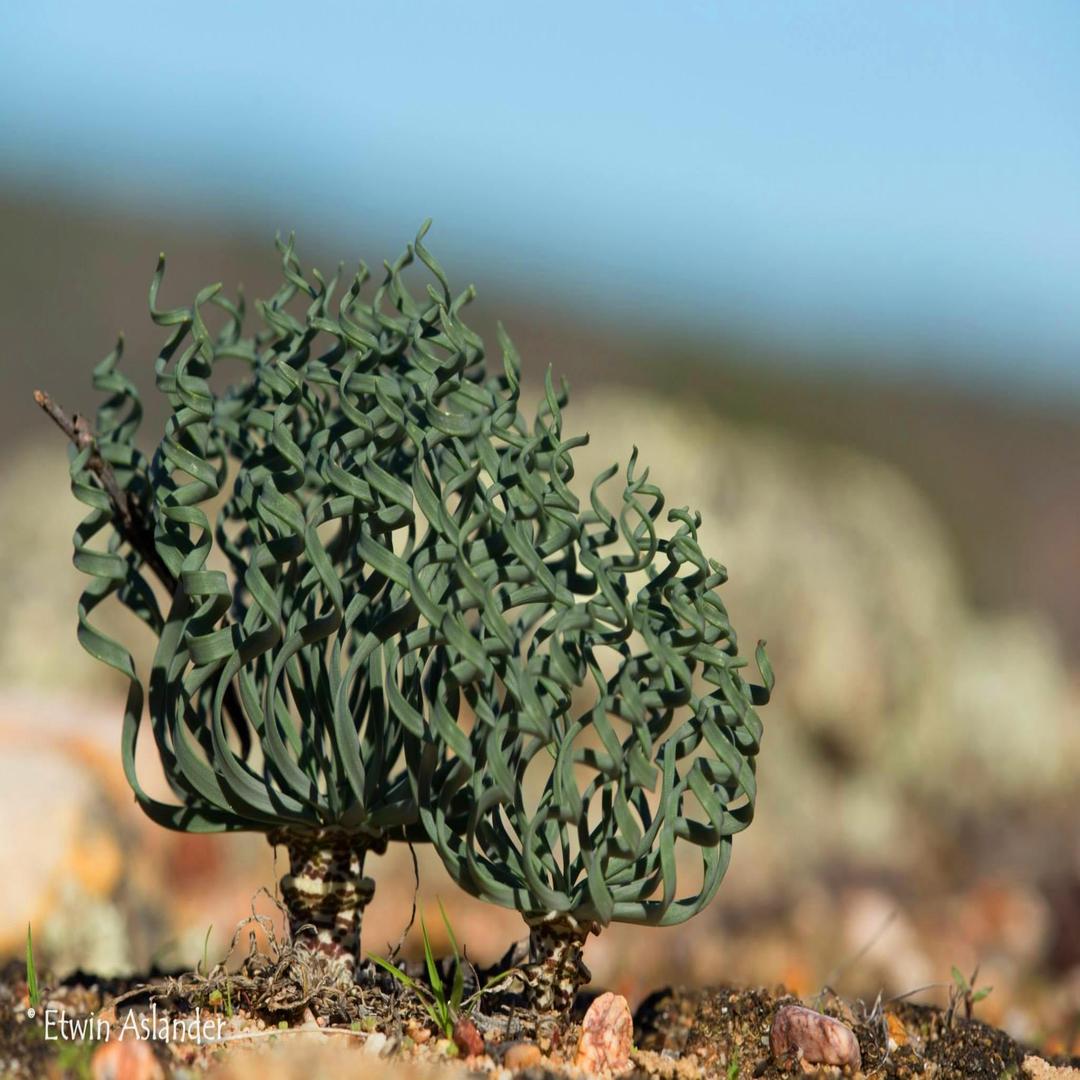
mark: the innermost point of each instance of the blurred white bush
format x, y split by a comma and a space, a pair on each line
893, 693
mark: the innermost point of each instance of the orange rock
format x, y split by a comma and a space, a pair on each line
607, 1035
417, 1032
521, 1055
898, 1035
467, 1038
126, 1059
96, 863
813, 1038
796, 977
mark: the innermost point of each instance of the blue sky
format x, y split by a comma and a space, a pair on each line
882, 172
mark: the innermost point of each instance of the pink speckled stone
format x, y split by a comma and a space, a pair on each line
607, 1035
813, 1038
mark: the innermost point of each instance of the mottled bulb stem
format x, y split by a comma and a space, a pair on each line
325, 892
556, 970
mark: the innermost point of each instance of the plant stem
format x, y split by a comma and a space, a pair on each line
325, 892
556, 971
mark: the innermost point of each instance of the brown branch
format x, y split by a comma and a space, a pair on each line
130, 516
131, 522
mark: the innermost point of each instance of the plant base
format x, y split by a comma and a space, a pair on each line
325, 893
556, 971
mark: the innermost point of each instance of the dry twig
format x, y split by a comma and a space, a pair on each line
131, 518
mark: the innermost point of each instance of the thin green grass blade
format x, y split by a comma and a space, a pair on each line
33, 992
432, 967
457, 988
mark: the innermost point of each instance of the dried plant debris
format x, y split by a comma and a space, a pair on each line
278, 980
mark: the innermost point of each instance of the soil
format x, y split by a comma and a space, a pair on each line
726, 1031
679, 1034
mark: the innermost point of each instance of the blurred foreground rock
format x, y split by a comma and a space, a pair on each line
105, 889
128, 1059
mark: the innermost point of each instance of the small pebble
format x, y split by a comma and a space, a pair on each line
418, 1033
607, 1035
467, 1038
375, 1044
813, 1038
898, 1035
125, 1059
521, 1055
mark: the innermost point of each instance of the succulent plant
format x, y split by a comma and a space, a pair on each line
270, 541
607, 725
382, 614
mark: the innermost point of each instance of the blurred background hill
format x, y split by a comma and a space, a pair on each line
820, 265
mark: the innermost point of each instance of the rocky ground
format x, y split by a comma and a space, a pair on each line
260, 1028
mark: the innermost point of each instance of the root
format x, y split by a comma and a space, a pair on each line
279, 981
